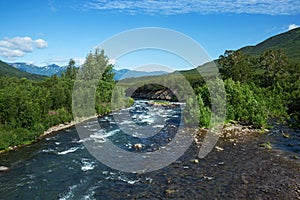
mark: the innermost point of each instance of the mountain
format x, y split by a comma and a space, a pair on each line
288, 41
7, 70
48, 70
126, 73
119, 73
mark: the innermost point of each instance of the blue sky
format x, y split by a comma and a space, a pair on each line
44, 32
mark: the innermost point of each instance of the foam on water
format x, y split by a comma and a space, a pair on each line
71, 150
126, 122
100, 136
49, 150
87, 164
158, 126
120, 177
83, 140
70, 193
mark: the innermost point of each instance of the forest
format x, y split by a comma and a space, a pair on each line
29, 107
258, 88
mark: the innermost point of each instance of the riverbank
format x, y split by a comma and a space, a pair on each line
237, 168
48, 132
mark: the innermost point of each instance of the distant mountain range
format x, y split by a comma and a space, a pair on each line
126, 73
48, 70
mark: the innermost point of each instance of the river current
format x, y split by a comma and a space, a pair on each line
60, 166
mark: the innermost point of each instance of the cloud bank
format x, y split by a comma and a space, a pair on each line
19, 46
173, 7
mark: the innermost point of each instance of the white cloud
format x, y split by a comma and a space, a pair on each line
112, 61
41, 44
19, 46
57, 61
10, 53
293, 26
167, 7
79, 61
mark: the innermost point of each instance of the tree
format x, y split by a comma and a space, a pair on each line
235, 65
71, 70
96, 80
273, 63
96, 66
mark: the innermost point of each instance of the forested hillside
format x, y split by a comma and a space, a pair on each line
288, 42
9, 71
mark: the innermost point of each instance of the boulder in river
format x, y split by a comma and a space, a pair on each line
4, 168
195, 161
137, 146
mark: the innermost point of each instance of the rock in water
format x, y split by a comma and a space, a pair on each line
195, 161
137, 146
3, 168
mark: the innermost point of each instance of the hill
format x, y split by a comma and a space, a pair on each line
7, 70
288, 41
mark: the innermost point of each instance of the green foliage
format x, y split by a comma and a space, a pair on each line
94, 85
235, 65
204, 113
273, 64
191, 112
28, 108
278, 94
103, 97
71, 70
244, 105
118, 100
96, 66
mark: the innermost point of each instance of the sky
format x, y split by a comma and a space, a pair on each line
43, 32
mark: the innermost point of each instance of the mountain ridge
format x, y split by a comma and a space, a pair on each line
8, 70
288, 41
47, 70
127, 73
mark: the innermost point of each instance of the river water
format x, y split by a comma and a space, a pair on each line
61, 167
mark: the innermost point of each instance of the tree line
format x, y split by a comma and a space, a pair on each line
257, 88
28, 108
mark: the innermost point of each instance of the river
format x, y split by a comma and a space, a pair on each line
60, 166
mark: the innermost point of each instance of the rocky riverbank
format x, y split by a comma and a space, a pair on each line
245, 168
153, 92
